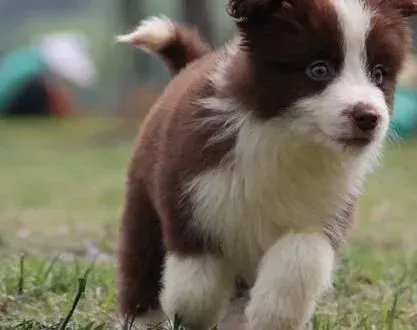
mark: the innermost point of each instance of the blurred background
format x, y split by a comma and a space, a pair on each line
62, 53
71, 44
71, 103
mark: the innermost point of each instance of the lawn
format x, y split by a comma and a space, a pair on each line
61, 189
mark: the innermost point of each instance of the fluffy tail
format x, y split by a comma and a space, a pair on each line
175, 43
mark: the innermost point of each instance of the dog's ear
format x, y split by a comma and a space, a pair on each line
249, 10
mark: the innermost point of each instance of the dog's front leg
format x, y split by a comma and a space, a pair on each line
292, 276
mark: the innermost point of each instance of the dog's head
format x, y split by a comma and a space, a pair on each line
330, 67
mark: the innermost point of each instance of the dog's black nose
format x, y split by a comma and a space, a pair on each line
365, 117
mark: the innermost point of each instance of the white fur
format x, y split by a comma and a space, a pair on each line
273, 182
270, 201
219, 76
286, 175
151, 35
326, 116
226, 114
292, 276
196, 289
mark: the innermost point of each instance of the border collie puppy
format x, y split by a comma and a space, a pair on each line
249, 166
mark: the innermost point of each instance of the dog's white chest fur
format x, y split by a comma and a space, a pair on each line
272, 184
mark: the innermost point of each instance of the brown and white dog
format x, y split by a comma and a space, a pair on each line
250, 164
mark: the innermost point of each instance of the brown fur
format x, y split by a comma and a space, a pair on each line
389, 43
277, 44
186, 46
153, 196
277, 51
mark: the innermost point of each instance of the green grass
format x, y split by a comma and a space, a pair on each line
61, 189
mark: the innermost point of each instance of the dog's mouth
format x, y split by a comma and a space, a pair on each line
355, 142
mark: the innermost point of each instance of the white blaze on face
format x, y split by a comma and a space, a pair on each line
355, 23
327, 112
355, 84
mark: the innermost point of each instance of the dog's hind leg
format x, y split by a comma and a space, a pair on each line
140, 257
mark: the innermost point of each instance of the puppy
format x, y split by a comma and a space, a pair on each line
251, 163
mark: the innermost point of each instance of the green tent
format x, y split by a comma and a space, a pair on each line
16, 69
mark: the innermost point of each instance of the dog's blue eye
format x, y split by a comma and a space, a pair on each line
378, 74
319, 70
